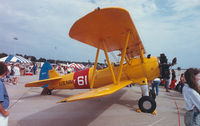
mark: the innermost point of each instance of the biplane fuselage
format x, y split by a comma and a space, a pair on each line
134, 70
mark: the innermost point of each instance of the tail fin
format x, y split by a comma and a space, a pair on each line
44, 72
47, 75
47, 72
53, 73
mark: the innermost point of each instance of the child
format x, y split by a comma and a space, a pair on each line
4, 99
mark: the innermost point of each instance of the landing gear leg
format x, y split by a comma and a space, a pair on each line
145, 90
46, 91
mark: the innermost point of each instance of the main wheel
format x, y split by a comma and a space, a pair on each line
147, 104
152, 94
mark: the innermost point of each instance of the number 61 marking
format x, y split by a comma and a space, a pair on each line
82, 80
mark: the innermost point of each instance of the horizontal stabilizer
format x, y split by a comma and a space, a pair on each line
42, 82
102, 91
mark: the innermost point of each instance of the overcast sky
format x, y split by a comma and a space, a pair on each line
41, 27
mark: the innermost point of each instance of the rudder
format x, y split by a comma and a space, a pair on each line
44, 72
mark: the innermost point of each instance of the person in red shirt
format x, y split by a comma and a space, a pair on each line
173, 81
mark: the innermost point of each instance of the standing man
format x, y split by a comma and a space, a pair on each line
34, 69
167, 77
4, 99
164, 68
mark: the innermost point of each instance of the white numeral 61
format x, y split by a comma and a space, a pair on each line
82, 80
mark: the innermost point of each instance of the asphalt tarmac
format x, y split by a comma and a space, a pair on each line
29, 108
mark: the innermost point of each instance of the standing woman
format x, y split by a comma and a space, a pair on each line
192, 97
4, 99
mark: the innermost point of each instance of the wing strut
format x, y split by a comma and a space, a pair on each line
141, 54
127, 60
94, 70
108, 61
123, 57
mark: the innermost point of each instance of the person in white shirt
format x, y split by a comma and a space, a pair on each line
192, 97
16, 70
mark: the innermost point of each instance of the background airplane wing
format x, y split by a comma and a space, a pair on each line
98, 92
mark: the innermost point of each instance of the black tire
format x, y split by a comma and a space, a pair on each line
147, 104
152, 94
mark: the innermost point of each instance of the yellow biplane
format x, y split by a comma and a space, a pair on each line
107, 29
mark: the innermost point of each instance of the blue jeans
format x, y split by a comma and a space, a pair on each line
156, 84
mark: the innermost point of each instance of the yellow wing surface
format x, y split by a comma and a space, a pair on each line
102, 91
42, 82
109, 25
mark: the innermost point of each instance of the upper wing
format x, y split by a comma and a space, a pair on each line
109, 25
102, 91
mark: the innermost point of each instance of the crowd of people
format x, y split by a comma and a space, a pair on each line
173, 85
167, 84
15, 70
188, 85
19, 69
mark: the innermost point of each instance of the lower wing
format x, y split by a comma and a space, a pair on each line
98, 92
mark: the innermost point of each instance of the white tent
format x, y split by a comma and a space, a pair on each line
77, 66
12, 58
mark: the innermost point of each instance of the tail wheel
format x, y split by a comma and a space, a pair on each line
147, 104
152, 94
49, 92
